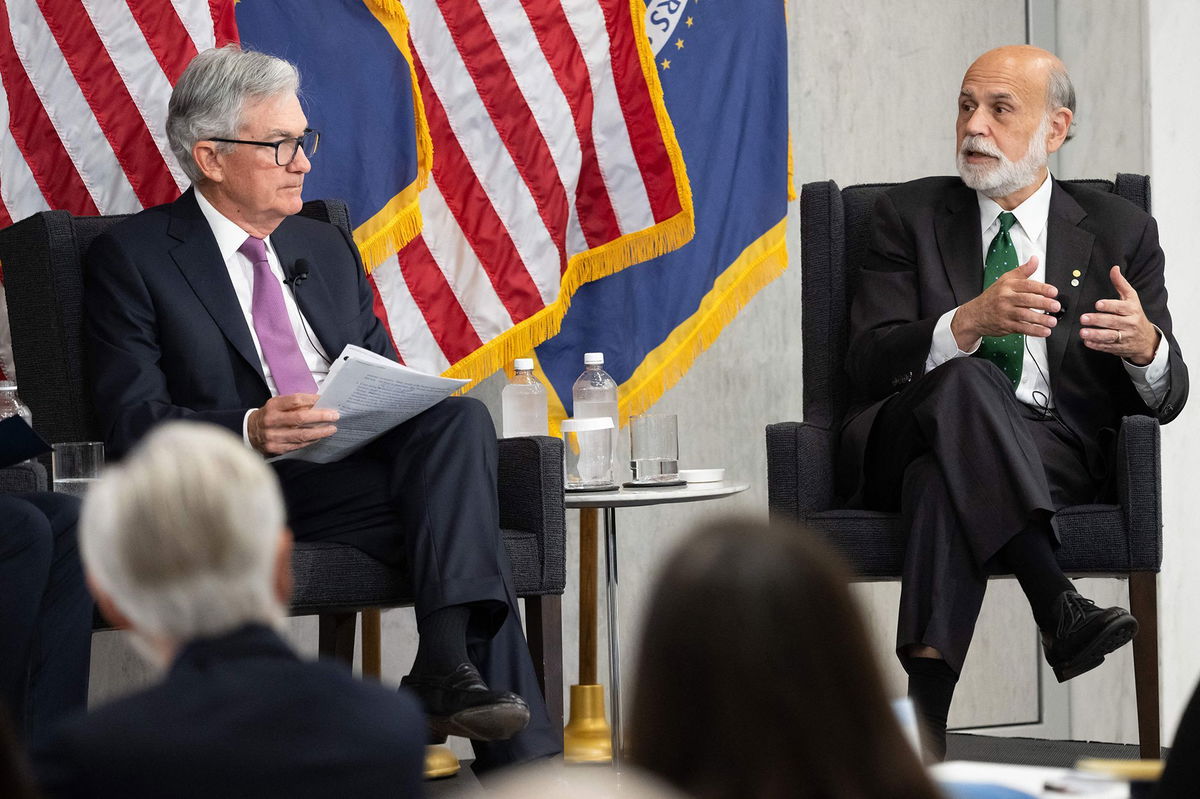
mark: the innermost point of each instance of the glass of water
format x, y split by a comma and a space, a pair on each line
76, 465
654, 448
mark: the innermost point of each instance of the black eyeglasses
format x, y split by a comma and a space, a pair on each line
286, 149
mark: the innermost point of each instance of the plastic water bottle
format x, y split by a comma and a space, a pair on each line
523, 402
11, 405
595, 394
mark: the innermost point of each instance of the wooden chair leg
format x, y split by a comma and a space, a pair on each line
1143, 603
335, 638
372, 643
543, 628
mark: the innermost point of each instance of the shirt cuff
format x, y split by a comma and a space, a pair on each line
943, 347
1153, 380
246, 428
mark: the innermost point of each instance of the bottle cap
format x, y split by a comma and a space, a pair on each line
593, 359
523, 364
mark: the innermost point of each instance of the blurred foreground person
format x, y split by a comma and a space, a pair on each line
755, 676
184, 544
45, 613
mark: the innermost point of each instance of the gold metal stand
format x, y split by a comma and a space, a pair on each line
587, 738
440, 762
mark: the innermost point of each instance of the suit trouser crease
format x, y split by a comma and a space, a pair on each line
424, 494
46, 610
969, 467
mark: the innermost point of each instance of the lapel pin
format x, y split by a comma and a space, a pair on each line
1075, 282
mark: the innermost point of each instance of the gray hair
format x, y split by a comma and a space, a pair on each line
212, 92
183, 534
1060, 93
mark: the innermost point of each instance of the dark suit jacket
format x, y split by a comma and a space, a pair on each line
241, 715
166, 337
925, 258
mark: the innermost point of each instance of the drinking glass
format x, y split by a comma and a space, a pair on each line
587, 453
654, 448
76, 465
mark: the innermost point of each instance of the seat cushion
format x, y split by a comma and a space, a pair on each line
1094, 540
331, 576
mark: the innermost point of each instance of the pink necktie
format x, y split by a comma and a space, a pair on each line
274, 329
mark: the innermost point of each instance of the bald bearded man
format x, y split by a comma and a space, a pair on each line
1003, 326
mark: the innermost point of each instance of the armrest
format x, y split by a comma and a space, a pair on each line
530, 483
23, 478
799, 469
1139, 489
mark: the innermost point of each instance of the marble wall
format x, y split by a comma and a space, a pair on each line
872, 99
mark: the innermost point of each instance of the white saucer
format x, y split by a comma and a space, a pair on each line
702, 475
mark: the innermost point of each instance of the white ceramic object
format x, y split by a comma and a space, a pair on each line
702, 475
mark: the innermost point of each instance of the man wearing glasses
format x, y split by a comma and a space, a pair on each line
226, 307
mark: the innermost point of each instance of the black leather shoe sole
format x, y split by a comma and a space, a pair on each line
1112, 637
495, 722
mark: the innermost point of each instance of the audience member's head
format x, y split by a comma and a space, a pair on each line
756, 677
186, 538
212, 93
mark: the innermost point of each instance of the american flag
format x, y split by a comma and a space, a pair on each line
86, 84
554, 164
85, 89
554, 159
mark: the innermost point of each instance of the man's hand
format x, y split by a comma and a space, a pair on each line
1013, 304
289, 422
1120, 327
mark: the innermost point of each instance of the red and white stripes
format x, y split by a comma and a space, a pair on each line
85, 90
546, 145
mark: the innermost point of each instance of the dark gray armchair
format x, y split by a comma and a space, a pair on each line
1121, 540
42, 262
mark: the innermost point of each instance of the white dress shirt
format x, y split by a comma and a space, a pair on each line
1029, 237
241, 273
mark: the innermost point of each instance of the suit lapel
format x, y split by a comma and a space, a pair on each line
198, 258
960, 242
309, 294
1068, 250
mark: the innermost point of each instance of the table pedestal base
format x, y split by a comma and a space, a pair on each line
440, 762
587, 738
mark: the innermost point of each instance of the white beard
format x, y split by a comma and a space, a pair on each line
1005, 176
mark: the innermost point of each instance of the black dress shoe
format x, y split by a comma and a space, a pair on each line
1084, 635
460, 703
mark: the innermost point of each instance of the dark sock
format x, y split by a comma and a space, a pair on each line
931, 684
1031, 558
442, 644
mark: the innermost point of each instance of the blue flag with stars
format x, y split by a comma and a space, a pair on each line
723, 68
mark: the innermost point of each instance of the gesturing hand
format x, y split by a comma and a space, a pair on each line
1120, 327
1013, 304
289, 422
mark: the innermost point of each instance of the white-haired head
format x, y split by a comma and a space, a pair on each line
208, 99
186, 536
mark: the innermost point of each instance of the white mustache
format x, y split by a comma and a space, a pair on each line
980, 144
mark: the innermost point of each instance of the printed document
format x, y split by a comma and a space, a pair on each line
372, 394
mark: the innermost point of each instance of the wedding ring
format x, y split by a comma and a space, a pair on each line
1118, 337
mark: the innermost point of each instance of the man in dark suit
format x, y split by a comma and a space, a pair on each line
226, 307
1060, 294
185, 545
45, 612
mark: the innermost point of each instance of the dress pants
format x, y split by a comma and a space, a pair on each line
423, 496
968, 466
45, 612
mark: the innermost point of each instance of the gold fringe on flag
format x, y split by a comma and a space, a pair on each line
399, 221
632, 248
759, 264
